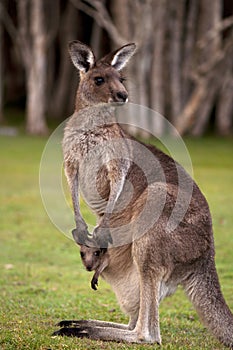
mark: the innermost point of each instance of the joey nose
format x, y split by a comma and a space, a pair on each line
121, 96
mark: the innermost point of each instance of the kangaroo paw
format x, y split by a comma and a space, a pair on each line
80, 235
102, 236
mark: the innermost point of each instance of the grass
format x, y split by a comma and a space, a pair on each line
41, 277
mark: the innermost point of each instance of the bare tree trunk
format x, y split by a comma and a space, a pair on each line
35, 124
58, 104
142, 32
123, 14
120, 13
175, 32
187, 117
52, 18
33, 45
1, 68
224, 110
157, 67
205, 110
189, 45
96, 37
36, 99
211, 12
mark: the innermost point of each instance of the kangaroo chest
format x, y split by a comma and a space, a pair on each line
91, 151
94, 183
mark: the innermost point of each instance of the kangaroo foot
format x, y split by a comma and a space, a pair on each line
79, 332
70, 323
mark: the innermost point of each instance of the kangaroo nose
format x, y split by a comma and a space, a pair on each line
121, 96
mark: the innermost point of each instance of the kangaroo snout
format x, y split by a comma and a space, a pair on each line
121, 96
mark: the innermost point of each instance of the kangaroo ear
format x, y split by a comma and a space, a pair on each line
81, 55
121, 56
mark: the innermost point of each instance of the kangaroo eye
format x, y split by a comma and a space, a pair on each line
97, 253
122, 80
99, 81
82, 254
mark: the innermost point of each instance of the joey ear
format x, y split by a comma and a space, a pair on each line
81, 55
121, 56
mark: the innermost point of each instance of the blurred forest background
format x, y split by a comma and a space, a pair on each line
183, 67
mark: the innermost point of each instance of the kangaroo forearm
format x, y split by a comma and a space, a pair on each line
75, 199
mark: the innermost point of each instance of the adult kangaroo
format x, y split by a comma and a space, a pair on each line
147, 257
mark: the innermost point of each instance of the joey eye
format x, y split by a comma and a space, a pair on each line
97, 253
82, 254
99, 81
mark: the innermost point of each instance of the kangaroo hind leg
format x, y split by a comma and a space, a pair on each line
147, 327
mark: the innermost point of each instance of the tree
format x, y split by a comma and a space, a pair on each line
182, 69
225, 101
32, 40
61, 90
177, 70
209, 77
34, 44
1, 65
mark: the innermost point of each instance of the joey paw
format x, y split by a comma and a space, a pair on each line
80, 235
94, 283
102, 236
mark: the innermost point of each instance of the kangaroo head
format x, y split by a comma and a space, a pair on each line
91, 257
100, 81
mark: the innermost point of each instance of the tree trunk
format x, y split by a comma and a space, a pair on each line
205, 110
35, 124
36, 73
157, 67
58, 105
96, 37
175, 33
121, 16
189, 45
211, 12
224, 110
185, 121
1, 69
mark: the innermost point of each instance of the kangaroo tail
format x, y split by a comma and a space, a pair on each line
204, 290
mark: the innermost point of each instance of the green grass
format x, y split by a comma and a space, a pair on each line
41, 277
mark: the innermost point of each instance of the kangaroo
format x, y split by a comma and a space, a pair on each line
94, 259
152, 261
